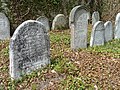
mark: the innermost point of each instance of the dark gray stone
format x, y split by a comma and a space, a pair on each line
78, 23
29, 48
98, 34
4, 27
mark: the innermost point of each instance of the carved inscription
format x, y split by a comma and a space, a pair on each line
30, 48
78, 22
2, 23
81, 23
98, 37
81, 31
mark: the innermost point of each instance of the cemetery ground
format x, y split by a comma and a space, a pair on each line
93, 68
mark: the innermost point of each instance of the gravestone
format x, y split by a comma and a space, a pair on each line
45, 22
108, 31
95, 17
117, 27
59, 22
29, 48
4, 27
98, 34
78, 23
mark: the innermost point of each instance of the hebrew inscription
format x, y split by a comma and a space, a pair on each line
29, 48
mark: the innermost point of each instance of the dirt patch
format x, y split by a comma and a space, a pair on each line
104, 71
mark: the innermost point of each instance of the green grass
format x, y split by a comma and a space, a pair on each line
111, 48
75, 83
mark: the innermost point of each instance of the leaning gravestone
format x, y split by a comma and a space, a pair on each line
45, 22
95, 17
98, 34
4, 27
78, 23
117, 27
59, 22
108, 31
29, 48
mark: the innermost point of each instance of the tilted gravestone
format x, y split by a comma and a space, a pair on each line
29, 48
59, 22
95, 17
108, 31
4, 27
117, 27
45, 22
98, 34
78, 23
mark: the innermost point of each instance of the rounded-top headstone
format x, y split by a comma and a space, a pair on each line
117, 27
59, 22
108, 31
29, 48
95, 17
98, 34
4, 27
78, 23
45, 22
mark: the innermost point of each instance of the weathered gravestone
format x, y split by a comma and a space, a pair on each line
98, 34
108, 31
95, 17
59, 22
117, 27
78, 23
45, 22
29, 48
4, 27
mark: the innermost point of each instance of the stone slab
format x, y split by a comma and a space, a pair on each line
108, 31
117, 27
45, 22
78, 23
95, 17
98, 34
59, 22
29, 48
4, 27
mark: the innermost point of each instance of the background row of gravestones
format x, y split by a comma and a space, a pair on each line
30, 44
59, 22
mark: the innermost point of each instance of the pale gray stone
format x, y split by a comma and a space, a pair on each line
29, 48
4, 27
98, 34
78, 23
88, 15
45, 22
117, 27
95, 17
59, 22
108, 31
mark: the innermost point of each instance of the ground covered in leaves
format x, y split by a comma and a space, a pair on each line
96, 68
